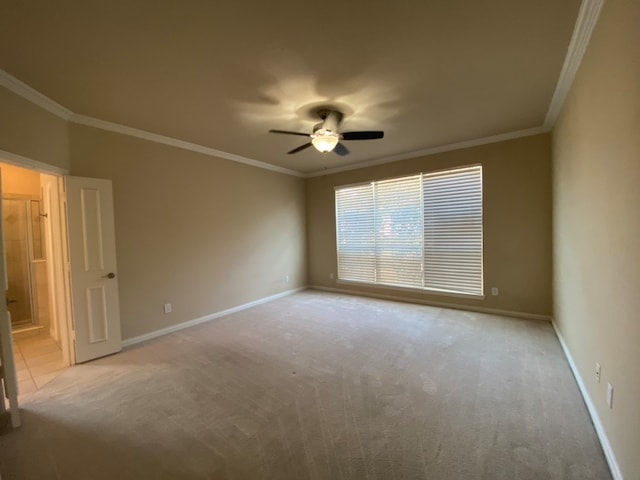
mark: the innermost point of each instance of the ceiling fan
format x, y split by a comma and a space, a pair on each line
326, 137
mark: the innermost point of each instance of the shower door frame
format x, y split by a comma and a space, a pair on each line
33, 301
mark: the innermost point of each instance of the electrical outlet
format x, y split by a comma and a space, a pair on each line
598, 372
494, 291
610, 395
167, 308
331, 276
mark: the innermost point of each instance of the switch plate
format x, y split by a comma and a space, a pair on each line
286, 279
610, 395
597, 372
167, 308
494, 291
331, 276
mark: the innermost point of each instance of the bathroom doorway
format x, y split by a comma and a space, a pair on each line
29, 215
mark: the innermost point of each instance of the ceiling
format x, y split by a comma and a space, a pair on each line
221, 73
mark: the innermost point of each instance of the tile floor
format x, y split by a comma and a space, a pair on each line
38, 361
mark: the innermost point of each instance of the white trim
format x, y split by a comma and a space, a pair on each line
174, 142
433, 150
593, 412
20, 88
585, 24
24, 162
455, 306
197, 321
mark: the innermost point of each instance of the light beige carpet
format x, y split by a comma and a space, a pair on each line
317, 386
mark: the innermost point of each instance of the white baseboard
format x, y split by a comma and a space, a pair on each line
595, 418
455, 306
196, 321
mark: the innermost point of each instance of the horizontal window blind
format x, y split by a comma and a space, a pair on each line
422, 231
355, 234
398, 228
453, 230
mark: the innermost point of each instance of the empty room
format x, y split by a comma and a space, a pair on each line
345, 240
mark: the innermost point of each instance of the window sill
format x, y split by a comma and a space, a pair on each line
440, 293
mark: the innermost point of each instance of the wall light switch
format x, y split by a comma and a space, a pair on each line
167, 308
494, 291
331, 276
598, 372
610, 395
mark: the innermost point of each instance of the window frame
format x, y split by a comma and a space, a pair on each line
479, 294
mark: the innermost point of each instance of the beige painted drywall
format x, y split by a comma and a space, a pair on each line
596, 158
517, 223
19, 181
201, 233
29, 131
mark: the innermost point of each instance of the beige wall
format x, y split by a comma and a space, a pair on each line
596, 152
517, 222
29, 131
202, 233
19, 181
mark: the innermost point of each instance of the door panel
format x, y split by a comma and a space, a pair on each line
92, 255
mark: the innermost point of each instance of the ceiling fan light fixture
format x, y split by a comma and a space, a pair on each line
325, 140
326, 136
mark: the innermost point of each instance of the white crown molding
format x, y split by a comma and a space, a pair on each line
24, 162
433, 150
25, 91
583, 29
20, 88
585, 24
174, 142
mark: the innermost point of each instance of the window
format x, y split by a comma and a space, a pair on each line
421, 231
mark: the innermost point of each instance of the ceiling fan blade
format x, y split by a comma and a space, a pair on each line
299, 149
370, 135
286, 132
341, 150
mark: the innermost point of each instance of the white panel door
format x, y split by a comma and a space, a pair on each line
92, 258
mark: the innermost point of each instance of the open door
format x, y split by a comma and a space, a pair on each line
92, 258
8, 376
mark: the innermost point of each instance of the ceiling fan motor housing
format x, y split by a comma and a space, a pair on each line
330, 119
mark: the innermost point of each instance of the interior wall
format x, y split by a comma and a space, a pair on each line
517, 223
20, 181
201, 233
596, 158
29, 131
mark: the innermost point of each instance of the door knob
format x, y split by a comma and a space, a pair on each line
109, 275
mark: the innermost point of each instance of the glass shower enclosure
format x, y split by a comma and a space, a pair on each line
26, 296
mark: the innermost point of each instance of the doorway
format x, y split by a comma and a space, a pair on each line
28, 222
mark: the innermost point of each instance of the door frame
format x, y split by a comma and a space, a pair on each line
58, 267
58, 180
